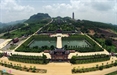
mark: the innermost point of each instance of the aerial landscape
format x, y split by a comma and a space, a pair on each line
58, 37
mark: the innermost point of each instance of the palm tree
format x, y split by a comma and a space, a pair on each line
97, 66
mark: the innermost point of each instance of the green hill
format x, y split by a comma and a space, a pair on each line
38, 17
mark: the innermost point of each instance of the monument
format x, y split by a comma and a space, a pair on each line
73, 15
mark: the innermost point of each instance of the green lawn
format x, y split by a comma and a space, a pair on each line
109, 48
13, 47
25, 30
113, 48
101, 39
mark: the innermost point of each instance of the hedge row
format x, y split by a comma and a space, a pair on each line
29, 59
83, 70
89, 59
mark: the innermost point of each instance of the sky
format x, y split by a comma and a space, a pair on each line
94, 10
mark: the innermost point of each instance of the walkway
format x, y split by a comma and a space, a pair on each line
59, 42
59, 39
4, 43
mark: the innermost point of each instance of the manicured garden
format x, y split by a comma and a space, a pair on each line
89, 59
22, 68
53, 27
26, 48
93, 46
97, 67
29, 59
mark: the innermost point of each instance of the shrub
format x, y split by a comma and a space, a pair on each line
89, 58
101, 68
29, 59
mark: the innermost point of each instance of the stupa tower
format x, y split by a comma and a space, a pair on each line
73, 15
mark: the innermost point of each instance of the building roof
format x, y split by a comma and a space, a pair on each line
59, 51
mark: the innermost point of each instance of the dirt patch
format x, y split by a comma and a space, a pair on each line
91, 32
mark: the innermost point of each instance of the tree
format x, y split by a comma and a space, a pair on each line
35, 47
66, 46
109, 50
34, 69
101, 68
44, 57
52, 47
97, 66
73, 59
108, 42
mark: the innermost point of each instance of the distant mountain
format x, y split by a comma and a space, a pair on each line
16, 22
11, 23
2, 24
38, 17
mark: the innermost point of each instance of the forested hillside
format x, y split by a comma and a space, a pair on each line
86, 24
38, 17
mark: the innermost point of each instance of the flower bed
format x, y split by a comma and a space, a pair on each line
22, 68
83, 70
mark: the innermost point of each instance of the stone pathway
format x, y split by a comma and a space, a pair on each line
59, 39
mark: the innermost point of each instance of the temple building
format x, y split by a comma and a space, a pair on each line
59, 54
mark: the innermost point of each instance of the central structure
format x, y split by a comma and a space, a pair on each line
59, 53
59, 39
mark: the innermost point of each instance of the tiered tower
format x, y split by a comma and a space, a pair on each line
73, 15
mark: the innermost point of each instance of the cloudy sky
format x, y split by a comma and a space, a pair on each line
95, 10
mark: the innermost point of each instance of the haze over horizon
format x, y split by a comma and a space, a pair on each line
94, 10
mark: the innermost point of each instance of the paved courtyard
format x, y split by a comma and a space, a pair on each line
63, 68
4, 42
